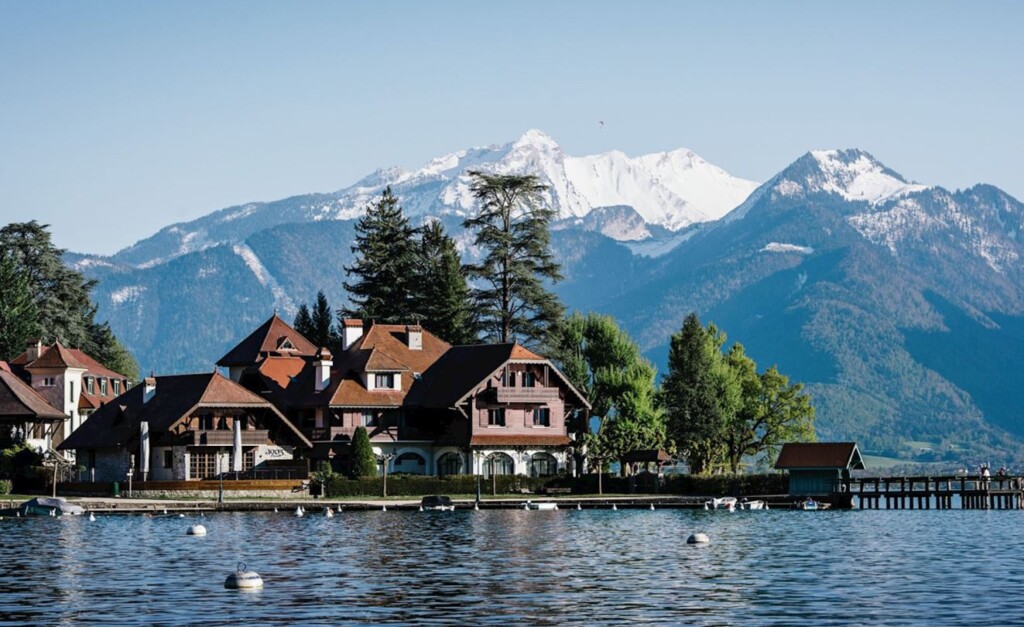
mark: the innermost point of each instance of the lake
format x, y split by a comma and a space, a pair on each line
514, 566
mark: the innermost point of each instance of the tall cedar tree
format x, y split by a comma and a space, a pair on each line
442, 294
304, 322
384, 270
699, 393
65, 311
18, 313
364, 464
322, 323
512, 230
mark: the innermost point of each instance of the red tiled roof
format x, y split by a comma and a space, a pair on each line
381, 361
267, 340
520, 352
519, 440
19, 401
819, 455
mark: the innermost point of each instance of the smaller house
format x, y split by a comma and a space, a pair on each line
819, 468
24, 413
185, 427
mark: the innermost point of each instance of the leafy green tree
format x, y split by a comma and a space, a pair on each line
65, 311
364, 464
322, 332
512, 230
386, 254
605, 364
441, 293
18, 313
700, 393
304, 321
772, 412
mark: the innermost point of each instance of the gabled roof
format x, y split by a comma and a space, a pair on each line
59, 356
463, 368
273, 337
176, 397
20, 402
820, 455
379, 361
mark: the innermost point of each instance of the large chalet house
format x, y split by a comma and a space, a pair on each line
184, 427
70, 381
430, 408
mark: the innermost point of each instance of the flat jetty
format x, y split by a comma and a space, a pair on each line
945, 492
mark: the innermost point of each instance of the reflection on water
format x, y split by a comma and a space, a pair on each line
503, 566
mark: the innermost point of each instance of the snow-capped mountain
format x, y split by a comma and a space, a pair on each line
671, 190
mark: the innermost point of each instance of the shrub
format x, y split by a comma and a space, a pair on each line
364, 464
5, 486
422, 485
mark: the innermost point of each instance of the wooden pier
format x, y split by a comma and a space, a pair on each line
974, 492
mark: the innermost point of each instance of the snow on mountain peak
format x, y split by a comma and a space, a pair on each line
856, 175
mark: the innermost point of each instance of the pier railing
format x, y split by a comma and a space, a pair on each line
938, 492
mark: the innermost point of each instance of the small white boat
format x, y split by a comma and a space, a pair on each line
437, 503
541, 506
47, 506
755, 504
727, 503
809, 505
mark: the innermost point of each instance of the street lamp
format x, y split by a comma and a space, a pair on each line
384, 459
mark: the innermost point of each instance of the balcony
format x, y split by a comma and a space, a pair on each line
537, 395
250, 437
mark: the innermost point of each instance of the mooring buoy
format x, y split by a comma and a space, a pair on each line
243, 579
196, 530
698, 538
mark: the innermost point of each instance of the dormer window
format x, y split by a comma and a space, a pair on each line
384, 381
285, 345
90, 385
103, 387
116, 385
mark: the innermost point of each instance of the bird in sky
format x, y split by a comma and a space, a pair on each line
601, 123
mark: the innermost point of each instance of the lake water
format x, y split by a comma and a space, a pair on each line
513, 566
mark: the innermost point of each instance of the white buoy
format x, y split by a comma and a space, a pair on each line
202, 515
384, 508
652, 507
196, 530
165, 511
329, 513
275, 510
615, 507
526, 505
243, 579
476, 507
698, 538
181, 515
53, 513
578, 507
298, 512
92, 517
421, 508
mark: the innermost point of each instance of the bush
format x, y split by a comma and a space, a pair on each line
422, 485
364, 464
5, 486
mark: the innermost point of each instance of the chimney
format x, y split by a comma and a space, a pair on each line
322, 369
414, 337
148, 389
351, 330
34, 350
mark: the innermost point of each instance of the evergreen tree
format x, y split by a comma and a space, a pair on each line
442, 296
512, 231
364, 464
18, 313
321, 323
304, 322
699, 393
385, 266
65, 311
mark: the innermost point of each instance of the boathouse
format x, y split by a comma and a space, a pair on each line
819, 468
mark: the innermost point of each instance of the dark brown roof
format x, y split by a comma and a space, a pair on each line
59, 356
646, 455
519, 440
176, 397
20, 402
268, 339
820, 455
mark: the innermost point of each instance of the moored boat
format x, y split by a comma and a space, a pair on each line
755, 504
49, 506
809, 505
727, 503
437, 503
541, 506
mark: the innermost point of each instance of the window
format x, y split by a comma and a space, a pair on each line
206, 422
116, 384
529, 380
411, 463
384, 381
498, 464
168, 459
368, 418
542, 417
449, 464
71, 392
543, 465
49, 382
90, 385
103, 387
496, 417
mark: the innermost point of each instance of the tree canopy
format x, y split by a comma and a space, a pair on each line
364, 464
441, 294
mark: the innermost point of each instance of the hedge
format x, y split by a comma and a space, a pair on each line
418, 485
5, 486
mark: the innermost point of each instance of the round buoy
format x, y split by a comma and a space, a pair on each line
92, 517
243, 579
196, 530
698, 538
181, 515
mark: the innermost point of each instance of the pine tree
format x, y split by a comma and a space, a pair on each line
304, 322
442, 296
322, 323
385, 265
18, 313
364, 464
512, 230
108, 350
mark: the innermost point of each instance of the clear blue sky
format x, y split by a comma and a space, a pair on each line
117, 118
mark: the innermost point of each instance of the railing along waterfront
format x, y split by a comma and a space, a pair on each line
927, 492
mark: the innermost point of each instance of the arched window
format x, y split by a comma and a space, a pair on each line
498, 464
411, 463
543, 465
449, 464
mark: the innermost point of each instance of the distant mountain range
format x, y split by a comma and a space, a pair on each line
900, 304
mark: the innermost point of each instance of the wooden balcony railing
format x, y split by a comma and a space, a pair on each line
250, 437
525, 395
